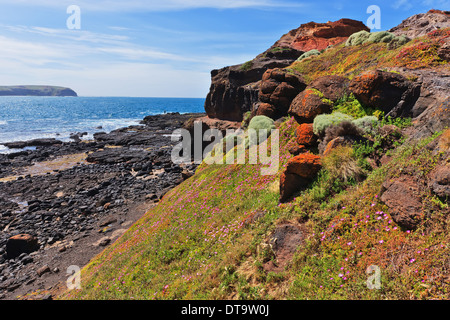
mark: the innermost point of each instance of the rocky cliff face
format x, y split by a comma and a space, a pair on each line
420, 24
235, 89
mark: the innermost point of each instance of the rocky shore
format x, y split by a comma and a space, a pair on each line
64, 202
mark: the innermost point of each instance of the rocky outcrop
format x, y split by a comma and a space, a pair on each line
420, 24
308, 104
319, 36
332, 87
387, 91
277, 90
235, 90
21, 243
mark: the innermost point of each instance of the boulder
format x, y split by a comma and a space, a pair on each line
404, 203
278, 88
305, 135
21, 243
289, 184
332, 87
387, 91
305, 165
439, 181
308, 104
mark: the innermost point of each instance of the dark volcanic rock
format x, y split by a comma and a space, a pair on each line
21, 243
423, 23
32, 143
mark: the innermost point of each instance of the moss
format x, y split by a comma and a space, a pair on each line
381, 36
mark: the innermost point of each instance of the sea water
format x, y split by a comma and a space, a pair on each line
26, 118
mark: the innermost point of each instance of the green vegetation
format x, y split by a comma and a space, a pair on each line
35, 91
247, 65
310, 53
323, 121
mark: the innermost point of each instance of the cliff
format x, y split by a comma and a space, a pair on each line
36, 91
363, 183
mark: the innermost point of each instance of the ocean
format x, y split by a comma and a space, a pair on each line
25, 118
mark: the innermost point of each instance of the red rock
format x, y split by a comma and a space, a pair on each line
305, 134
305, 165
289, 184
387, 91
266, 109
319, 36
307, 105
401, 195
278, 88
21, 243
333, 87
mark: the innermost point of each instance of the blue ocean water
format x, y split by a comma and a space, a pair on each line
25, 118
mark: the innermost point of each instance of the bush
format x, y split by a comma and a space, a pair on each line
260, 123
366, 123
357, 38
343, 164
398, 41
381, 36
344, 128
246, 119
323, 121
348, 104
310, 53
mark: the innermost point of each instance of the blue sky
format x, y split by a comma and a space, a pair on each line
158, 48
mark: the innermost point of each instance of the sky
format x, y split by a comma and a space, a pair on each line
158, 48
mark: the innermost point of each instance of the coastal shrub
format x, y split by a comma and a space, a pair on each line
310, 53
366, 123
343, 164
398, 41
259, 123
357, 38
247, 65
380, 36
344, 128
348, 104
323, 121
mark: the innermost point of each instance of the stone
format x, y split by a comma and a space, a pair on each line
332, 87
439, 181
387, 91
305, 165
43, 270
305, 135
290, 183
21, 243
400, 195
423, 23
307, 105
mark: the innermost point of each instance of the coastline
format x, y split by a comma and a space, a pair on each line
76, 197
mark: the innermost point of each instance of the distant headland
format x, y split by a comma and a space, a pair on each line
36, 91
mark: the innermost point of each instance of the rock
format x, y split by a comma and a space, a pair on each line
332, 87
295, 149
444, 52
234, 90
305, 134
423, 23
290, 183
386, 91
307, 105
278, 88
21, 243
107, 221
319, 36
305, 165
43, 270
186, 174
439, 181
401, 197
32, 143
336, 142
